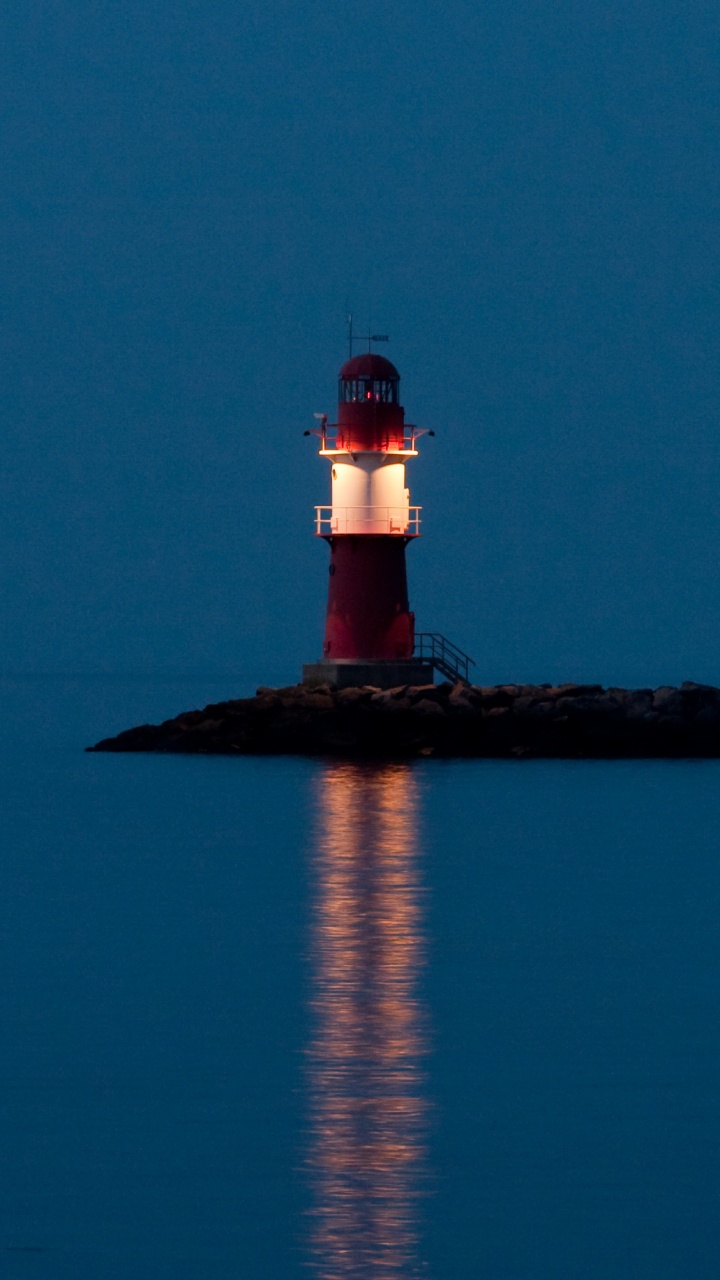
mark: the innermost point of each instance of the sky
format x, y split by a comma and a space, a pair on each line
525, 197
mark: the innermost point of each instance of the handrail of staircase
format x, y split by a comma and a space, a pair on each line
446, 656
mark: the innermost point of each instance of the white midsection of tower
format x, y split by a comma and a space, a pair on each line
369, 495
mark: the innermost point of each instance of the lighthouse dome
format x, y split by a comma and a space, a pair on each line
369, 365
369, 378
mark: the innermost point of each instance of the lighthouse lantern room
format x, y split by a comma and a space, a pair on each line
369, 627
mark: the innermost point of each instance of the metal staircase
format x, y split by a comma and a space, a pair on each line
444, 656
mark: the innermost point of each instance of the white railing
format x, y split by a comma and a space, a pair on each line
404, 521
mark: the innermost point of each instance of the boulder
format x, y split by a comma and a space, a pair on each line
351, 697
426, 707
314, 700
495, 696
587, 706
387, 696
636, 704
541, 709
698, 696
428, 693
668, 701
462, 707
709, 716
522, 705
574, 690
459, 701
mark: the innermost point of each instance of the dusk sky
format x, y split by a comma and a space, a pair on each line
526, 197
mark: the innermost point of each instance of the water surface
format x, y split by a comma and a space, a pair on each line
299, 1018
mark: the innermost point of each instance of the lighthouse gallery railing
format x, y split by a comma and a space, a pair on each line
401, 440
404, 521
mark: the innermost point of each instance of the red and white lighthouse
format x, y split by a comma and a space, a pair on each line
369, 627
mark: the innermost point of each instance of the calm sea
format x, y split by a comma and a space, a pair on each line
293, 1018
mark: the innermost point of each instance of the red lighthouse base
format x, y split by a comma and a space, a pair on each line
368, 615
369, 629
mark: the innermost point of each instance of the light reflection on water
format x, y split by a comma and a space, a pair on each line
366, 1079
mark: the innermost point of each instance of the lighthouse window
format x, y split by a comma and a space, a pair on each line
384, 391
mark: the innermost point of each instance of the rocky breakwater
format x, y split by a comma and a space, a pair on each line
511, 720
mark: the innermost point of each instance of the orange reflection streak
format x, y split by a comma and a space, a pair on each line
366, 1081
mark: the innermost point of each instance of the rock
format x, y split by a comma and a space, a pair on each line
490, 697
522, 705
462, 706
541, 710
351, 697
668, 701
697, 696
444, 720
428, 693
673, 723
427, 708
315, 701
575, 707
444, 689
387, 696
636, 704
574, 690
709, 716
459, 701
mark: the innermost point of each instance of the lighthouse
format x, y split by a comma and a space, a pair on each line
370, 634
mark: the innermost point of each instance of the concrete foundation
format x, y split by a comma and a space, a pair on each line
351, 673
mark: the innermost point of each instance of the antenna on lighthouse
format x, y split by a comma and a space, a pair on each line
363, 337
